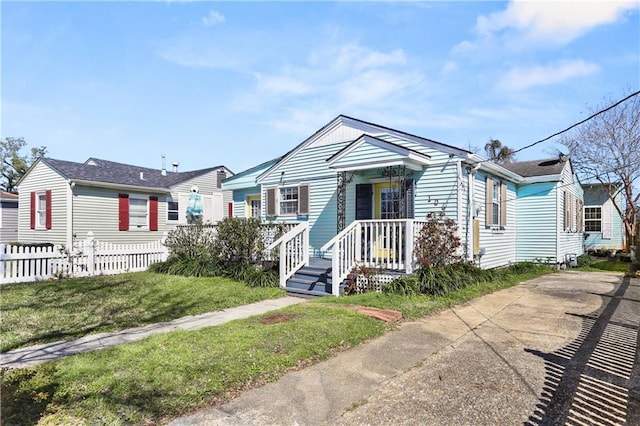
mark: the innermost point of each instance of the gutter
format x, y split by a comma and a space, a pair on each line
108, 185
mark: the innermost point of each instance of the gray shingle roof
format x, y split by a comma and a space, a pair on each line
551, 166
104, 171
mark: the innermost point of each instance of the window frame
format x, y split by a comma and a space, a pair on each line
171, 211
588, 220
145, 199
41, 210
289, 201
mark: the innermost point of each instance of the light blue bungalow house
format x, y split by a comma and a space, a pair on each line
603, 224
549, 211
359, 193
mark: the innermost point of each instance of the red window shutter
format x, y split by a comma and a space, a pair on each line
47, 220
230, 209
123, 212
153, 213
32, 217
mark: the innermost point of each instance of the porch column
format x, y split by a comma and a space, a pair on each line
342, 201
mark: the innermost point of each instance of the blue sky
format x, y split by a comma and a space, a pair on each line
238, 83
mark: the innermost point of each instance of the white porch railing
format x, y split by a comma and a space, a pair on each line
293, 251
384, 244
87, 257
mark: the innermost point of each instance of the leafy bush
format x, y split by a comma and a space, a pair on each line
584, 260
191, 252
239, 240
437, 242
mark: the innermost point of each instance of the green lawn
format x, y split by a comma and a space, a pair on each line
35, 313
171, 374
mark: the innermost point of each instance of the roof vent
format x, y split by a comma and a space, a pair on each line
141, 175
175, 165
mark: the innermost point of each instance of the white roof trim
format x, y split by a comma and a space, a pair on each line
365, 127
412, 159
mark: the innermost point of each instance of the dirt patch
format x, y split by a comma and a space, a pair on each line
278, 317
386, 315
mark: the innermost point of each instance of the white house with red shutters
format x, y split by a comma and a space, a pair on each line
61, 201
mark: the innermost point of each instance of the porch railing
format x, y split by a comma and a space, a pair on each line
385, 244
293, 251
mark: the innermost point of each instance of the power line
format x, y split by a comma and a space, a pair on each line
578, 123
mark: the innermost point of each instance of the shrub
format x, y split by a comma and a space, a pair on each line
437, 242
584, 260
239, 240
262, 278
407, 285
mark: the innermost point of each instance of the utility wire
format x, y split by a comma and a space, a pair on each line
592, 116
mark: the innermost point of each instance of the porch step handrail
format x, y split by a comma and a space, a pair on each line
293, 249
340, 235
345, 254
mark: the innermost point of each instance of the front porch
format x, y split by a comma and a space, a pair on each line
385, 244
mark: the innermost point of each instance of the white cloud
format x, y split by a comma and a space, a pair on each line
449, 67
213, 18
556, 21
524, 78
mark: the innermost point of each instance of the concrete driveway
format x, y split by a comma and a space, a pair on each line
560, 349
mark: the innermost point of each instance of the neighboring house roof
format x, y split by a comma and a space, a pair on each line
100, 171
8, 196
597, 194
547, 167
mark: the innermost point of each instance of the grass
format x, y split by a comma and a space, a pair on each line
169, 375
43, 312
599, 265
420, 306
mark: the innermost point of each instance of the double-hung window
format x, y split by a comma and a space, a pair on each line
172, 210
40, 210
288, 200
495, 203
593, 219
138, 211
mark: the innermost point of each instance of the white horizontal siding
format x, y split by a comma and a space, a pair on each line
41, 178
96, 210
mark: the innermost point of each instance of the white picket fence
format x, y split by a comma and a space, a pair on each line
86, 257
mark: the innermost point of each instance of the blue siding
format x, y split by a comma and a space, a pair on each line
536, 222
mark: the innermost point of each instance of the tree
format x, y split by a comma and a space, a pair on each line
13, 165
606, 149
498, 153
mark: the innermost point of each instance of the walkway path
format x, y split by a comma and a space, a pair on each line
25, 357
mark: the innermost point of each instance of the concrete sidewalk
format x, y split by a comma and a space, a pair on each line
33, 355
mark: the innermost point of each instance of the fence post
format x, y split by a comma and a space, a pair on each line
91, 253
2, 256
408, 250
